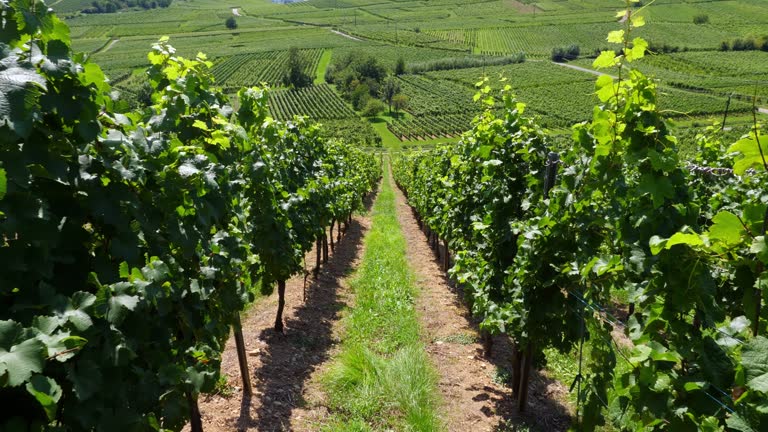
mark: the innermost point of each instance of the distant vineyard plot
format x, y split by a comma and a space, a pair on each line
318, 102
269, 67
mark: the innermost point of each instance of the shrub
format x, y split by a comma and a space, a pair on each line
701, 19
231, 23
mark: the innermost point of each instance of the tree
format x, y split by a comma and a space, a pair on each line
231, 23
400, 102
360, 95
296, 75
373, 108
388, 91
400, 66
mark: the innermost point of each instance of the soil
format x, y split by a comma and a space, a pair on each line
474, 396
284, 367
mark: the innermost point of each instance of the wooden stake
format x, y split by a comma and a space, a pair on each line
516, 364
330, 234
318, 251
525, 376
446, 256
325, 249
241, 356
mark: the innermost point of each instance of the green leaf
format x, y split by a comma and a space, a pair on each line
715, 364
119, 305
20, 88
737, 423
21, 354
657, 244
606, 59
640, 354
616, 36
750, 156
47, 392
726, 228
3, 184
754, 359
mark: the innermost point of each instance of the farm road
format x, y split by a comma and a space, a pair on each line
346, 35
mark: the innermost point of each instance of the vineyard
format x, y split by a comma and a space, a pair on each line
180, 214
317, 102
384, 215
433, 126
614, 215
269, 67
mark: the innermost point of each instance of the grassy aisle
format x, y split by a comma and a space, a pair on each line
382, 379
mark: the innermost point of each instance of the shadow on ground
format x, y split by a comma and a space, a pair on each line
288, 360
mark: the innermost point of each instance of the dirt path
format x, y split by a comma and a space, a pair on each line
285, 396
346, 35
108, 46
473, 401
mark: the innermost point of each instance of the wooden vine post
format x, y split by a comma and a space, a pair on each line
330, 234
318, 257
241, 356
446, 256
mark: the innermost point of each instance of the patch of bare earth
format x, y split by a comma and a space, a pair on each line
286, 395
521, 7
473, 400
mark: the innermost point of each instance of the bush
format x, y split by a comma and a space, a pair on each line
701, 19
560, 54
231, 23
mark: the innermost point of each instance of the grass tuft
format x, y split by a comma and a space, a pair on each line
382, 379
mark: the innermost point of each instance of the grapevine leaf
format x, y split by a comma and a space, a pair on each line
119, 305
3, 184
639, 47
47, 392
716, 366
759, 248
86, 379
20, 356
19, 90
726, 228
606, 59
754, 358
738, 423
616, 36
657, 244
750, 156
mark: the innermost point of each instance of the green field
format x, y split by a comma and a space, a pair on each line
697, 77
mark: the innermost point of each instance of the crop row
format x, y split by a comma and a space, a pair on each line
432, 126
268, 67
317, 102
430, 97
